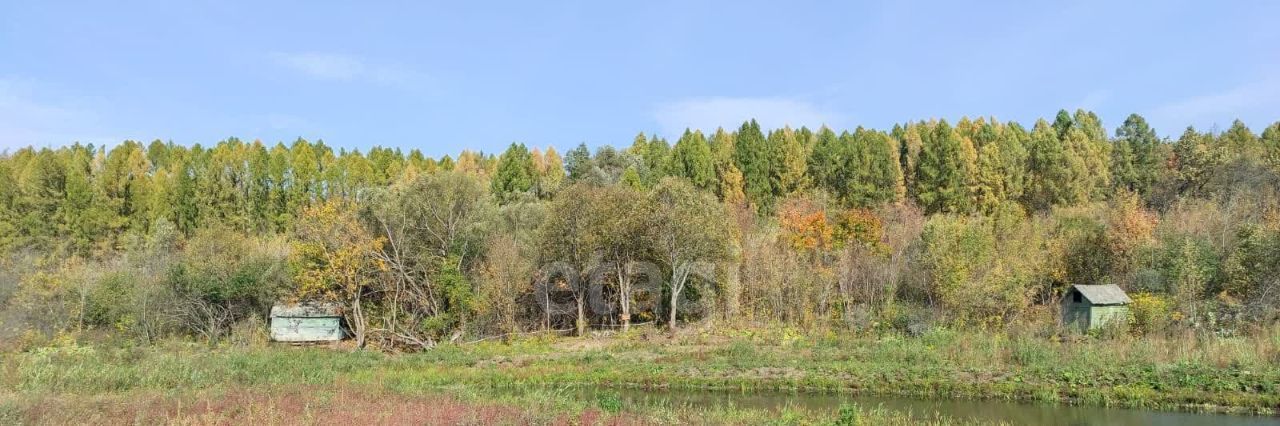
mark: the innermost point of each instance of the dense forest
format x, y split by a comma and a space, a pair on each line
979, 223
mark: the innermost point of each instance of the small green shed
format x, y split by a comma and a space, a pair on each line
306, 322
1090, 307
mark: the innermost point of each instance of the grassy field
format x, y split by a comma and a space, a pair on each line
191, 383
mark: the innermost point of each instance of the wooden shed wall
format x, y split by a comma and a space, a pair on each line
1084, 316
296, 329
1100, 316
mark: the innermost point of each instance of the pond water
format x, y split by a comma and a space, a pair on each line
980, 410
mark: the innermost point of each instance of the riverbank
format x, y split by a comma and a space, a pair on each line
1239, 375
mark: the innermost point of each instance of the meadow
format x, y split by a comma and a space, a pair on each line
537, 380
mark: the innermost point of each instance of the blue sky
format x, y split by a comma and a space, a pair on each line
443, 77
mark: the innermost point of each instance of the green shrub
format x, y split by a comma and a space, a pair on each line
609, 402
1149, 313
849, 415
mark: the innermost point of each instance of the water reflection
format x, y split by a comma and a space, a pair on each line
981, 410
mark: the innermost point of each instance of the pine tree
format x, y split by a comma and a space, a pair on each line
305, 170
1050, 175
942, 177
909, 144
728, 176
1013, 141
751, 156
1198, 156
447, 164
828, 164
1135, 161
578, 162
877, 176
1094, 152
691, 159
1241, 142
657, 161
787, 158
1062, 123
551, 173
1270, 142
990, 190
515, 173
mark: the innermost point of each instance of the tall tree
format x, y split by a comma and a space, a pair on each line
657, 160
618, 223
1198, 156
1050, 170
1271, 145
1090, 144
751, 155
1240, 141
990, 190
515, 174
829, 162
1013, 141
567, 248
551, 174
729, 186
944, 172
1135, 160
877, 170
910, 142
578, 162
334, 256
691, 159
787, 158
688, 233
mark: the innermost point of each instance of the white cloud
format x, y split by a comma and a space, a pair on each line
709, 113
323, 66
1243, 101
339, 67
1093, 100
26, 119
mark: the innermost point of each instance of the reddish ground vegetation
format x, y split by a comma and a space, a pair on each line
311, 406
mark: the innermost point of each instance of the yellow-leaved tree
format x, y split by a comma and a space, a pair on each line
334, 260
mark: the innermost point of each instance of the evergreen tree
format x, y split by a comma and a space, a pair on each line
551, 173
1197, 156
1241, 142
1049, 169
909, 144
1013, 141
691, 159
1270, 142
787, 158
1094, 151
657, 160
990, 190
578, 162
728, 176
877, 176
515, 174
1062, 123
1135, 163
942, 177
447, 164
828, 164
751, 156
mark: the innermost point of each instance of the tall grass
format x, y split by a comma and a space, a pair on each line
1181, 371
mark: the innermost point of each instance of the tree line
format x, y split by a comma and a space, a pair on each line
980, 222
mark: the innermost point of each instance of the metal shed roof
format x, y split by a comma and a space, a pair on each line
306, 310
1108, 294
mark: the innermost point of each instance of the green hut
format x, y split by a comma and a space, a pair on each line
306, 322
1090, 307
